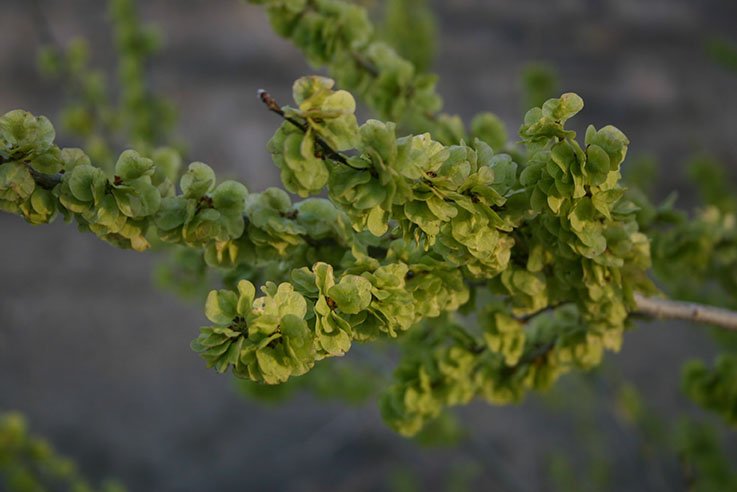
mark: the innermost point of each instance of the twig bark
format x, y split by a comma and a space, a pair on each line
45, 181
666, 309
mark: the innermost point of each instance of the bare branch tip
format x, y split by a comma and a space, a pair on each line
270, 102
688, 311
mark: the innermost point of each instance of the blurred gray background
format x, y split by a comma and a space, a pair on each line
99, 359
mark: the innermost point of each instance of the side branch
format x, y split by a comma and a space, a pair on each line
666, 309
274, 107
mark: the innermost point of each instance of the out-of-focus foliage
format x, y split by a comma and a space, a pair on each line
705, 466
716, 188
353, 383
137, 118
410, 27
705, 246
30, 464
714, 389
338, 35
723, 51
539, 83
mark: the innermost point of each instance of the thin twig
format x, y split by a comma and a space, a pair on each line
329, 152
688, 311
528, 317
45, 181
537, 353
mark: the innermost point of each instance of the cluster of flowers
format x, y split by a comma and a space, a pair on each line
412, 227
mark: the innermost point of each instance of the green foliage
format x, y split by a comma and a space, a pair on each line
26, 148
416, 43
538, 245
30, 464
540, 83
338, 35
263, 339
706, 246
723, 51
184, 272
336, 379
703, 244
489, 128
443, 215
137, 118
116, 211
88, 113
145, 117
452, 202
641, 175
676, 452
714, 389
705, 467
204, 212
330, 122
713, 183
282, 334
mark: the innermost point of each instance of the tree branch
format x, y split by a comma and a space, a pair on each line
666, 309
528, 317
